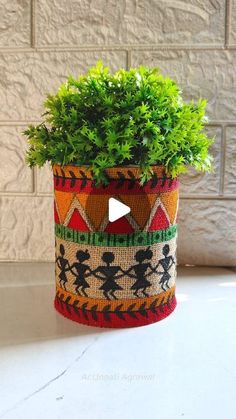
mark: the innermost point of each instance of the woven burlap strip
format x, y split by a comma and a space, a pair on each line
124, 258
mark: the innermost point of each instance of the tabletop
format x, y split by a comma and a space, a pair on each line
181, 367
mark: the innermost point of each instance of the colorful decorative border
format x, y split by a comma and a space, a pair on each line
78, 185
117, 318
127, 172
117, 240
119, 180
98, 304
86, 260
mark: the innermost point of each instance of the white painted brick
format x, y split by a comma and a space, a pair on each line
44, 179
15, 176
14, 23
199, 183
26, 78
209, 74
207, 232
230, 162
99, 22
207, 227
26, 228
233, 24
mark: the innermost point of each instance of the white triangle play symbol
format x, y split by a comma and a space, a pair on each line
116, 209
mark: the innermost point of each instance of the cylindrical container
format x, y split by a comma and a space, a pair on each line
120, 273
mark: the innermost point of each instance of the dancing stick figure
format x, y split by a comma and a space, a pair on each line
80, 272
140, 271
109, 276
166, 263
63, 265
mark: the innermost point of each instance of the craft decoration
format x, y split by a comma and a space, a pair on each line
121, 273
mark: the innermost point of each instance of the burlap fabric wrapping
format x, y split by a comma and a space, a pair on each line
118, 274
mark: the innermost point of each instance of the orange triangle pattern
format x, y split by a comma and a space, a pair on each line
170, 202
63, 201
140, 208
95, 207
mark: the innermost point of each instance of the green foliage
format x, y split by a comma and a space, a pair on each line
134, 117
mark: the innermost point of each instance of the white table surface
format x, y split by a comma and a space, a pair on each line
181, 367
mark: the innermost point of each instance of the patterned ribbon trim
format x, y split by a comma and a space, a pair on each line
156, 185
117, 318
113, 305
123, 180
116, 240
84, 172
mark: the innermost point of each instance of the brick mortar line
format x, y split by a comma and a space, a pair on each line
33, 194
18, 123
34, 180
129, 53
222, 158
228, 15
222, 144
124, 48
32, 23
210, 197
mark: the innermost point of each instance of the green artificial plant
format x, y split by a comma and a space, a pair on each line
134, 117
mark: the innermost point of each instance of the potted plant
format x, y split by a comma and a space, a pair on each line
127, 136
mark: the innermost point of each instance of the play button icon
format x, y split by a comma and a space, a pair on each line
116, 209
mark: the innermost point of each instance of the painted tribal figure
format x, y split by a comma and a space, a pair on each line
81, 271
64, 267
140, 271
109, 273
166, 263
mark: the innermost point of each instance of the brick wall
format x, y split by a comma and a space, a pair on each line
42, 41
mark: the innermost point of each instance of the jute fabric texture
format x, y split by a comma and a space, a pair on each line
121, 273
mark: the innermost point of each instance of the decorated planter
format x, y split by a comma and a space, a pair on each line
132, 133
121, 273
